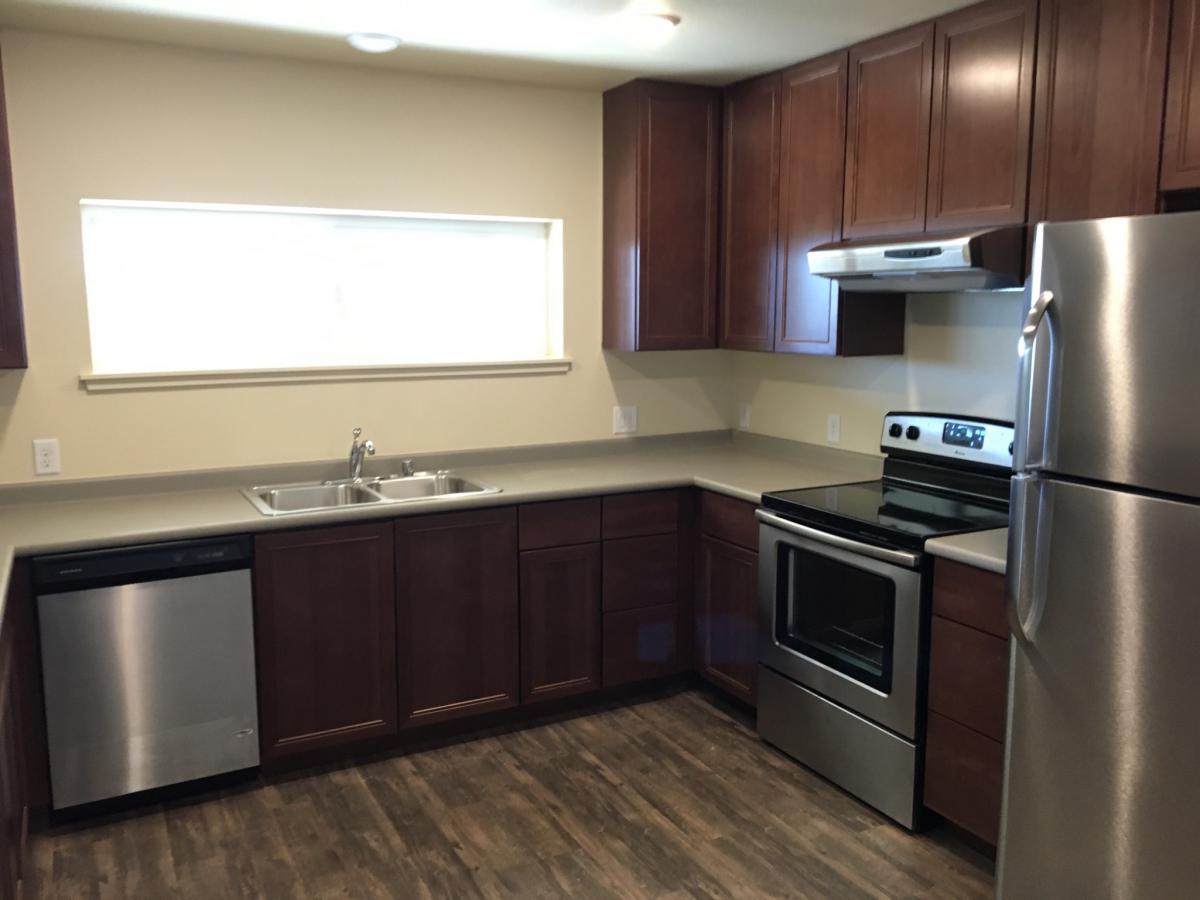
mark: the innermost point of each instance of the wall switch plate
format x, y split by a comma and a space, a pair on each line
833, 429
624, 419
744, 416
46, 458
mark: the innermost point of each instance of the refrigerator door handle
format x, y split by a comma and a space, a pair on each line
1033, 391
1033, 321
1020, 589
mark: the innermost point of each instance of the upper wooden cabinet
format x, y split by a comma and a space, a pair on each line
887, 136
1181, 132
661, 171
12, 323
750, 218
982, 115
1098, 110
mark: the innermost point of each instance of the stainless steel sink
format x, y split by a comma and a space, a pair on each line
297, 498
284, 499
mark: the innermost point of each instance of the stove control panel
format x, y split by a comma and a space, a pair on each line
967, 438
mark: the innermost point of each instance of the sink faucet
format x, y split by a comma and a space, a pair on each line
357, 452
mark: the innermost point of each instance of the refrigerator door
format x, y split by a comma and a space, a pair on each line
1102, 767
1112, 368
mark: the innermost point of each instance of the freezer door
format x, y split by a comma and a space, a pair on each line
1112, 371
1102, 769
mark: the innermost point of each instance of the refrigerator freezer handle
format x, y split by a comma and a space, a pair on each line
1034, 385
1020, 590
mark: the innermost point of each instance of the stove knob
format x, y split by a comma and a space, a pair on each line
913, 432
896, 430
1010, 448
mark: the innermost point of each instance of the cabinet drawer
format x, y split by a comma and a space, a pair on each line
630, 515
640, 572
559, 523
968, 676
640, 644
970, 596
964, 773
729, 520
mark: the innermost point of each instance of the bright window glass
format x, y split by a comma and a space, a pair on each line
193, 288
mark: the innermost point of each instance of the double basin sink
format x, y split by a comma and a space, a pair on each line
285, 499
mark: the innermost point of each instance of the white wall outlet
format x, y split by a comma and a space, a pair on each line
46, 458
624, 419
833, 429
744, 416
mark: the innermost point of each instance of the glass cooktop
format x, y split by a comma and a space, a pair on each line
887, 511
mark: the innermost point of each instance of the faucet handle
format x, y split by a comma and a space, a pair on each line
357, 432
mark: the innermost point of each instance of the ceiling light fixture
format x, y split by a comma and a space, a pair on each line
649, 30
373, 41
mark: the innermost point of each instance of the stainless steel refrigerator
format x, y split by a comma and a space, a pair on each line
1102, 765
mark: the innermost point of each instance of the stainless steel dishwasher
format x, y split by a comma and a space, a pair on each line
148, 664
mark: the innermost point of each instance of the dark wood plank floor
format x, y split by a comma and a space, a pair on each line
668, 798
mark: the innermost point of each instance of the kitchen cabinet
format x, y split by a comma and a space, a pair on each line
887, 136
641, 644
750, 212
324, 610
1098, 108
968, 695
560, 621
12, 322
1181, 131
982, 115
457, 622
661, 170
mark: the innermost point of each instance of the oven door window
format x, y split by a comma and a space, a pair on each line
838, 615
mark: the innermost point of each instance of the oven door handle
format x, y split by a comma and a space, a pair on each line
896, 557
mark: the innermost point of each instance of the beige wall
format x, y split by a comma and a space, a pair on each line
96, 118
960, 357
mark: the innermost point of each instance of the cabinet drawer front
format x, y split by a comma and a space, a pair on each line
964, 773
559, 523
970, 596
968, 676
640, 644
729, 520
640, 572
630, 515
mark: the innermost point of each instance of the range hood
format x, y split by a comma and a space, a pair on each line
987, 259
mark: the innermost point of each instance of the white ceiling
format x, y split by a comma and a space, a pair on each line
575, 43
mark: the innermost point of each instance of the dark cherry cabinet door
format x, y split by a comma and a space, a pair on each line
1181, 132
1098, 108
457, 623
324, 621
560, 621
750, 211
811, 171
727, 617
12, 323
641, 644
887, 137
982, 115
661, 168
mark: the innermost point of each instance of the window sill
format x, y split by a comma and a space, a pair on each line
155, 381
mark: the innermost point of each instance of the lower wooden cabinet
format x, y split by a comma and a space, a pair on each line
727, 617
641, 644
13, 799
560, 622
324, 609
964, 776
457, 614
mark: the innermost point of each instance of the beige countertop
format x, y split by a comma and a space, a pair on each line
116, 513
982, 549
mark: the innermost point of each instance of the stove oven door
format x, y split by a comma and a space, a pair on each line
842, 618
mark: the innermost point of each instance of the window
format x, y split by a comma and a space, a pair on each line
190, 288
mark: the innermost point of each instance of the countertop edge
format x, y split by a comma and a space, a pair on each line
987, 550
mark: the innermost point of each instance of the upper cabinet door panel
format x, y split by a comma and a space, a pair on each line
887, 140
680, 151
12, 321
811, 172
1181, 133
751, 209
1098, 108
982, 115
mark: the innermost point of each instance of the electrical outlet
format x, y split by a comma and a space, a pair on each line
833, 429
46, 458
744, 416
624, 419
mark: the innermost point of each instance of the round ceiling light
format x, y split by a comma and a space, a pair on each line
650, 30
373, 41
